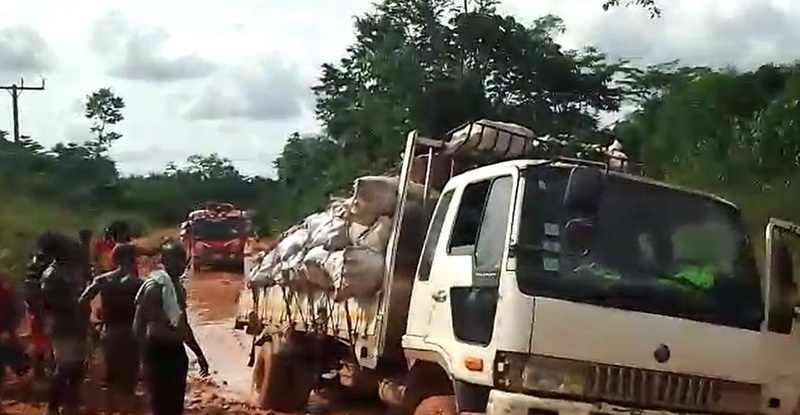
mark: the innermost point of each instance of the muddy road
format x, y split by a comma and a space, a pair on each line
212, 297
212, 307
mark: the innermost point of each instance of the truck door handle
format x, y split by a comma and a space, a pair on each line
439, 296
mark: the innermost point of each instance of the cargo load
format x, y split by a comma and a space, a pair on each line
342, 249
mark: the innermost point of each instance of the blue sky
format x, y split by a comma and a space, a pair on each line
233, 77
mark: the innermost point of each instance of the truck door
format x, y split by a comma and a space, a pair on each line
465, 279
781, 351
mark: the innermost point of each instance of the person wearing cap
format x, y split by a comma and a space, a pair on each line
162, 328
117, 290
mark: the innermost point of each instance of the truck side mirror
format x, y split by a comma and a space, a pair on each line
584, 190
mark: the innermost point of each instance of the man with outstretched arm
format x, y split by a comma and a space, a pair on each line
117, 290
162, 328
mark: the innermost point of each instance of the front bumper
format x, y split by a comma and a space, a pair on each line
507, 403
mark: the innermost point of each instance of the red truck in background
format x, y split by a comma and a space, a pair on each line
216, 234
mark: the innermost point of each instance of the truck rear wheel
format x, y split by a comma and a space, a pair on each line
282, 380
437, 405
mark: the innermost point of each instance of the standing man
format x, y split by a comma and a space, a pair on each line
118, 289
66, 322
162, 328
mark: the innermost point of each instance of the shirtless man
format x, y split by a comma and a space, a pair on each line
117, 290
162, 328
66, 322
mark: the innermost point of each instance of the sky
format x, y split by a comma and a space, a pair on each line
233, 77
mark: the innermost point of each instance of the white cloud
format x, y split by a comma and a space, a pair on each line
247, 65
265, 88
23, 50
137, 52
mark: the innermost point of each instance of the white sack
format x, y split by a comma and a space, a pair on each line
315, 270
362, 272
337, 237
314, 222
331, 229
261, 274
491, 137
377, 237
291, 245
376, 196
355, 231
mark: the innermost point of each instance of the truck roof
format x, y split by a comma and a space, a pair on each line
523, 163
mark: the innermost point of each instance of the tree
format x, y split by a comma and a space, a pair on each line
431, 65
650, 5
104, 108
211, 166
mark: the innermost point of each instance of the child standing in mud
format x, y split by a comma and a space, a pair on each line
117, 290
162, 328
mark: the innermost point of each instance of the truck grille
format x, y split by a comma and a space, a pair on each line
651, 389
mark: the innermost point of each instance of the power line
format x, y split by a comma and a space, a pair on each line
15, 91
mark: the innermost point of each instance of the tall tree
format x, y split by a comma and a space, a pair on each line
104, 108
431, 65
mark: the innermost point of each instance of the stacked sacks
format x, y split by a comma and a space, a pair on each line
341, 249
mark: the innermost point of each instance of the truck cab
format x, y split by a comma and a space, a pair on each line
549, 287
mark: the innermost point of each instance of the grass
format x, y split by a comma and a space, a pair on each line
23, 219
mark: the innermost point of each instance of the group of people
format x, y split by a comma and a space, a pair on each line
142, 327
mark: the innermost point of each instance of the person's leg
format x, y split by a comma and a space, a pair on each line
75, 374
127, 377
156, 366
57, 386
168, 366
180, 372
111, 367
72, 387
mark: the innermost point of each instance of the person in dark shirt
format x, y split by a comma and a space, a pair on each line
117, 290
162, 328
66, 322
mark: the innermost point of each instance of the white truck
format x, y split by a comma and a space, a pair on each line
548, 286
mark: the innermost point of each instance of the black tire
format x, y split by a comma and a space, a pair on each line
282, 379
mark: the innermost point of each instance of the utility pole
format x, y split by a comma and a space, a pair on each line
15, 91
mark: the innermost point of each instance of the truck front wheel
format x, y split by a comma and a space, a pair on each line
282, 380
437, 405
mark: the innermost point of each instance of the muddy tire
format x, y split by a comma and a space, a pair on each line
282, 380
437, 405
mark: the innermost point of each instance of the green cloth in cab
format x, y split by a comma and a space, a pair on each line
700, 277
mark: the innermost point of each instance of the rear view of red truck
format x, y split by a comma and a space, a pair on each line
216, 234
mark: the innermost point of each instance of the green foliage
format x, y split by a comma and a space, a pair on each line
650, 5
431, 65
728, 132
104, 108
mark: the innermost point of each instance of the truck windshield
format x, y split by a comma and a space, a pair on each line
652, 249
218, 230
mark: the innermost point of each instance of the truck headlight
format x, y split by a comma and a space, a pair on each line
529, 373
553, 375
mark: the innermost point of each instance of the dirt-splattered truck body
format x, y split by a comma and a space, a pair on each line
544, 285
